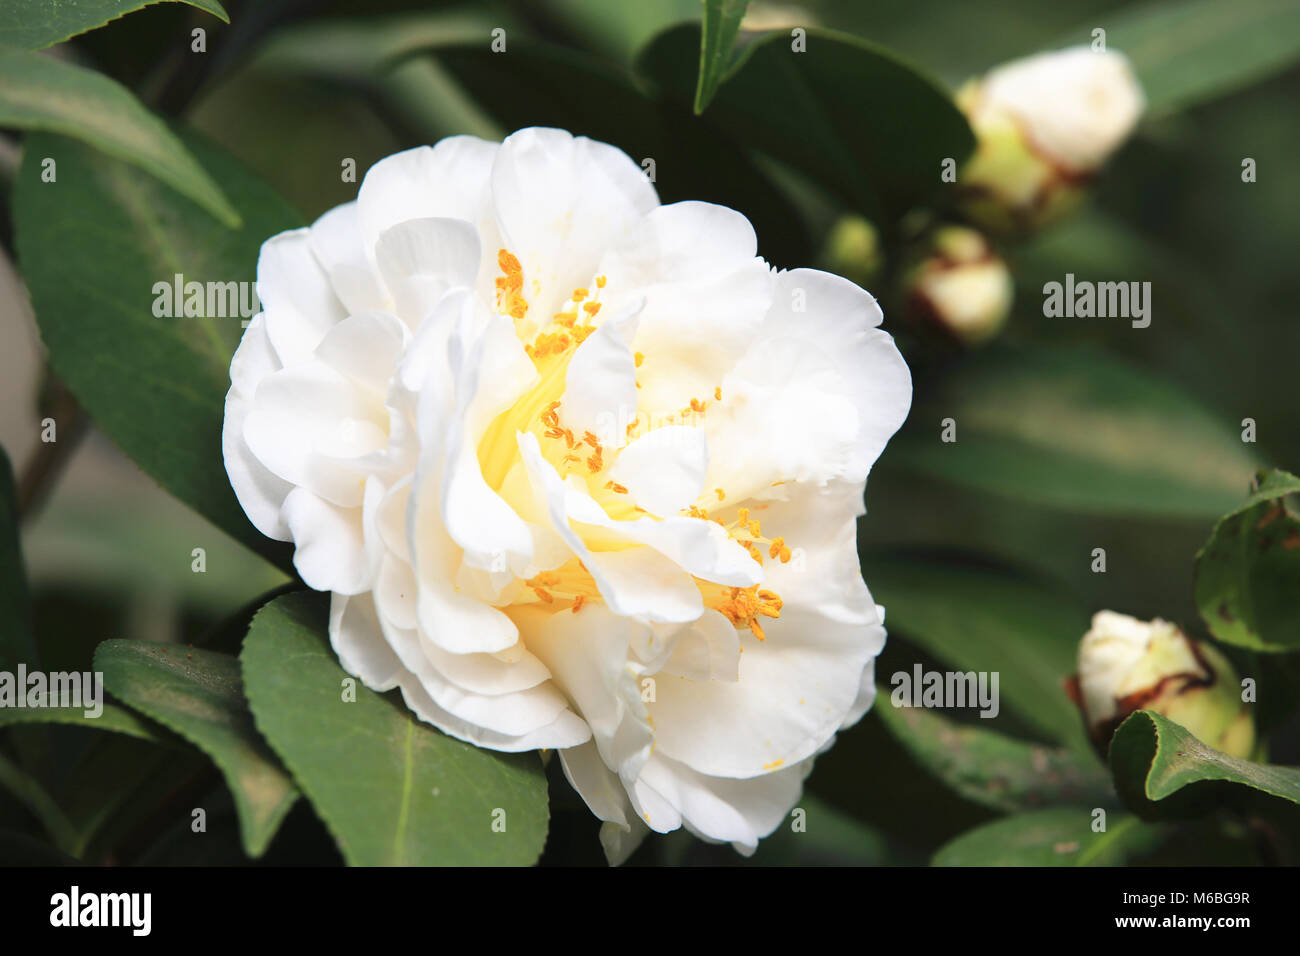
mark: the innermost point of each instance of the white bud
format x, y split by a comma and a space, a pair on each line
963, 286
1127, 665
1044, 125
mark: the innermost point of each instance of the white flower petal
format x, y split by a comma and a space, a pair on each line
305, 419
598, 786
729, 811
511, 714
356, 637
600, 393
365, 348
446, 181
421, 260
841, 319
331, 552
664, 469
560, 202
296, 296
586, 654
260, 492
708, 650
336, 243
705, 292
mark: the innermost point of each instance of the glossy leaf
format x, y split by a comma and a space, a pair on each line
1063, 836
1248, 573
35, 29
717, 38
1154, 759
847, 114
199, 695
988, 619
94, 247
992, 769
1076, 429
391, 789
42, 93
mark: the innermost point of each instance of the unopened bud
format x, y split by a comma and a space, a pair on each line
853, 251
1127, 665
961, 285
1044, 125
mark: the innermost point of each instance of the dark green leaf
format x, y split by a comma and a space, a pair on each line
1154, 758
995, 770
58, 20
1248, 573
1076, 429
1057, 837
199, 695
41, 93
981, 619
717, 37
92, 247
392, 790
846, 113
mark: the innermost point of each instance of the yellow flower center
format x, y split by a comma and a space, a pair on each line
540, 411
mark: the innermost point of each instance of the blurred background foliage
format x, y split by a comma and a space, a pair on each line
1077, 434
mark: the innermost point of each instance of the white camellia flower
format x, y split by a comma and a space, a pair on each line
1044, 125
581, 472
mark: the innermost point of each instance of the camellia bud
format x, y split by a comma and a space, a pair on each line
960, 285
1127, 665
853, 250
1044, 125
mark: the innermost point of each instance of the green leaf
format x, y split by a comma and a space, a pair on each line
992, 769
199, 695
17, 643
1247, 573
1058, 837
847, 114
1191, 51
93, 245
989, 619
391, 789
1076, 429
114, 719
717, 37
59, 20
41, 93
1154, 758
